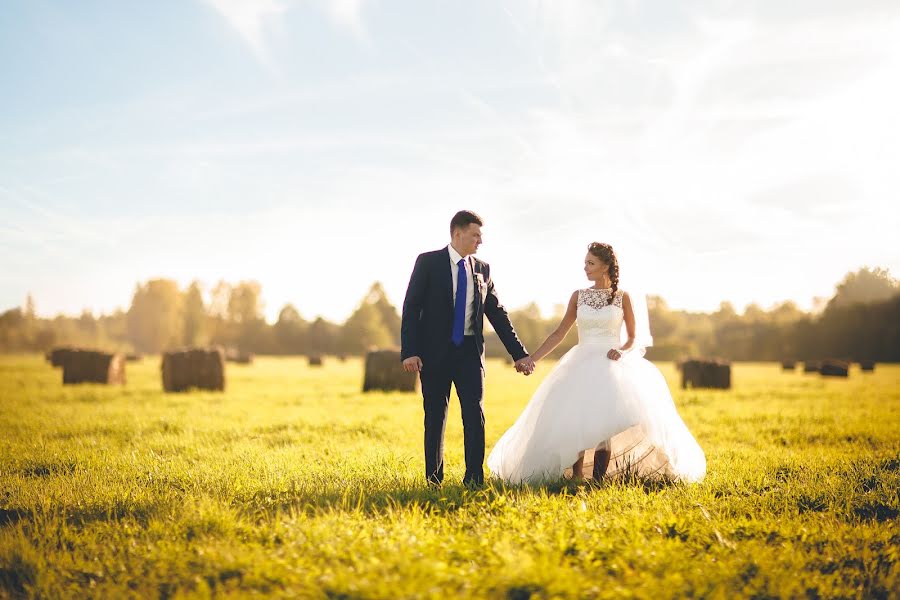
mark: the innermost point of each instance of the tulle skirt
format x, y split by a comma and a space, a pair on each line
589, 400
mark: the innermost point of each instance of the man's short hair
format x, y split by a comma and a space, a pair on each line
463, 219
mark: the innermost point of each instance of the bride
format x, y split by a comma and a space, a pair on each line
602, 395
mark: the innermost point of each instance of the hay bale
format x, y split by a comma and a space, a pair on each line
788, 365
384, 372
315, 360
239, 357
58, 356
705, 373
834, 368
89, 366
867, 365
201, 368
811, 366
244, 358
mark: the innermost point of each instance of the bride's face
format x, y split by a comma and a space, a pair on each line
594, 268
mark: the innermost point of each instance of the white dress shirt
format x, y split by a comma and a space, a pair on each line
455, 256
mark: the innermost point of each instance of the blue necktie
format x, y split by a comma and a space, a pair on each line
459, 307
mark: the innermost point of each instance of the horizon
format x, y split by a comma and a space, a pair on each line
744, 154
818, 304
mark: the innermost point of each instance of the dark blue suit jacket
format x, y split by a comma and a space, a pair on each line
427, 321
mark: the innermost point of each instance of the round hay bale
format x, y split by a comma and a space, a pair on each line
315, 360
89, 366
834, 368
384, 372
788, 365
201, 368
811, 366
245, 358
239, 357
58, 356
706, 373
867, 366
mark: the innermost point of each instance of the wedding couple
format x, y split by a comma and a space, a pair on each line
602, 396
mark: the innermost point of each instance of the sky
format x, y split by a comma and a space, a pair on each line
742, 151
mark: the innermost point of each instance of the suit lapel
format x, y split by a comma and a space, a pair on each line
477, 292
448, 276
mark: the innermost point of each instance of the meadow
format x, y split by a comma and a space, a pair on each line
293, 483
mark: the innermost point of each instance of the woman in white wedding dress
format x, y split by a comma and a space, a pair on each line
601, 396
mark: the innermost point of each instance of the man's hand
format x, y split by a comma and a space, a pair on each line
525, 365
413, 364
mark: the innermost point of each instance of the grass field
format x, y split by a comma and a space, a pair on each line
292, 483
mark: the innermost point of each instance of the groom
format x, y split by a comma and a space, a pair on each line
441, 337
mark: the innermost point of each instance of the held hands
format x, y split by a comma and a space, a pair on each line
413, 364
525, 365
614, 354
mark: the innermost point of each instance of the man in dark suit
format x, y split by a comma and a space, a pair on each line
442, 338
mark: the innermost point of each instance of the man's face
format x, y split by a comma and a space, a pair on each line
467, 239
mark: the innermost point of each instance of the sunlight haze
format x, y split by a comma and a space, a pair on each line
742, 151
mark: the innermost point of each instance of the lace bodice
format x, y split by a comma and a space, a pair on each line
597, 319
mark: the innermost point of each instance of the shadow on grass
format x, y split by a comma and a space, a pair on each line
11, 516
17, 579
372, 497
48, 468
81, 516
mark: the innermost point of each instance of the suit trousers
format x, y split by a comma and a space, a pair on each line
462, 367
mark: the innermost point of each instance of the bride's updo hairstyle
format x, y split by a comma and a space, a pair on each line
605, 253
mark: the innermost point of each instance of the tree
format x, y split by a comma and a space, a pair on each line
389, 315
218, 300
529, 326
194, 321
365, 329
245, 303
245, 316
217, 311
290, 331
786, 312
30, 312
87, 324
663, 322
726, 313
374, 323
866, 286
11, 324
322, 336
154, 319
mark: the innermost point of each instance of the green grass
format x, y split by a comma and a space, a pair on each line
293, 483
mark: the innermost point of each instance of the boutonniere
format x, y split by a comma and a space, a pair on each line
479, 279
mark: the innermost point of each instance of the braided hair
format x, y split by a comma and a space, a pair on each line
605, 253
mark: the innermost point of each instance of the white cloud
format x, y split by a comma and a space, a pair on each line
253, 20
348, 14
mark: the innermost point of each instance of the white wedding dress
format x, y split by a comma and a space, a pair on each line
589, 400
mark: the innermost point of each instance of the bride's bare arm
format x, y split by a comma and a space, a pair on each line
560, 332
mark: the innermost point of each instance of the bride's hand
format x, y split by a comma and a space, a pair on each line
613, 354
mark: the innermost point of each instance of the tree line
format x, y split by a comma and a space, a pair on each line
860, 322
